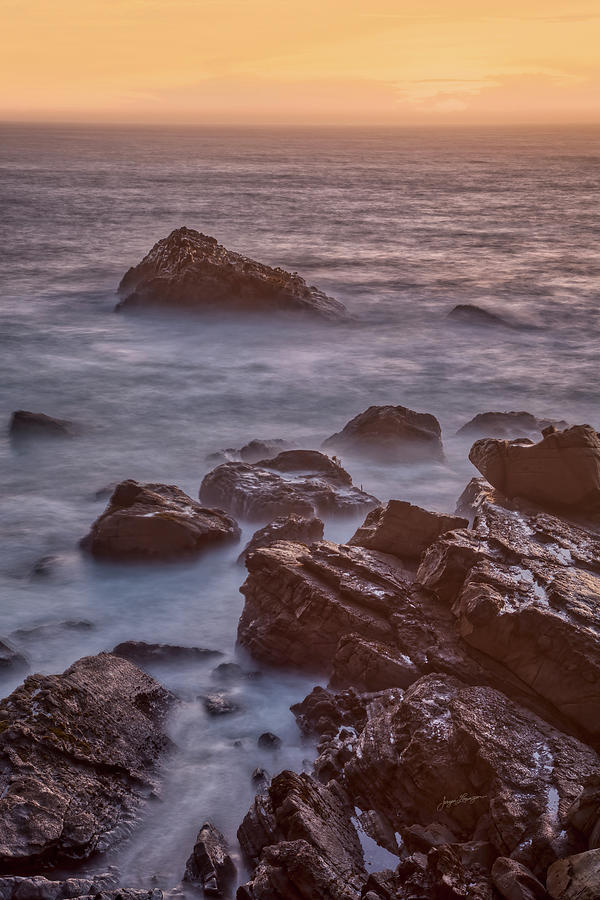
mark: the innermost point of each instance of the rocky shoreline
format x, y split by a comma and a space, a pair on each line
462, 652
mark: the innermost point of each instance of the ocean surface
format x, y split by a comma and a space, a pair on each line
399, 225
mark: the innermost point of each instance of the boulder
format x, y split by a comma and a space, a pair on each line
191, 271
210, 864
303, 842
509, 425
560, 472
514, 881
78, 754
250, 452
29, 424
391, 434
301, 529
297, 482
471, 314
576, 877
143, 654
523, 587
402, 529
156, 521
468, 758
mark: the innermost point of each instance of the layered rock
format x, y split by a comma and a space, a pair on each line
300, 529
392, 434
296, 482
509, 425
25, 424
192, 271
560, 472
78, 754
210, 864
156, 521
402, 529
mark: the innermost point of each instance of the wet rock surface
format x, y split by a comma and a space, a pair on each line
210, 864
192, 271
576, 877
392, 434
78, 754
156, 521
300, 529
402, 529
296, 482
37, 887
143, 654
26, 424
509, 425
560, 472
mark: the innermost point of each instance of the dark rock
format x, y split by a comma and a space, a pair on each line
220, 704
11, 658
36, 887
470, 314
576, 877
403, 529
191, 271
105, 492
508, 425
371, 666
210, 864
144, 654
390, 433
250, 452
156, 520
261, 776
560, 472
228, 672
78, 752
514, 881
28, 424
269, 741
305, 842
271, 488
469, 758
285, 528
48, 630
44, 567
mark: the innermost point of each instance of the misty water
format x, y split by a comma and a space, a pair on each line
401, 226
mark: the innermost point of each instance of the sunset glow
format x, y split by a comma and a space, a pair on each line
264, 61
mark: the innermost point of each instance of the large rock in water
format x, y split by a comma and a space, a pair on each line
390, 433
508, 425
402, 529
296, 482
191, 271
78, 753
25, 424
156, 520
562, 471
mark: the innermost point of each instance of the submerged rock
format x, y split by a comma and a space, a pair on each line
156, 520
250, 452
29, 424
508, 424
302, 529
471, 314
220, 703
390, 433
144, 654
191, 271
10, 657
210, 864
296, 482
403, 529
562, 471
78, 754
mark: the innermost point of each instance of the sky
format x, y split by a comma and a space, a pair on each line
401, 62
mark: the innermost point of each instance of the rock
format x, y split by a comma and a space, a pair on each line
143, 654
470, 314
391, 434
467, 757
44, 567
78, 753
403, 529
513, 881
560, 472
269, 741
210, 864
156, 521
301, 529
29, 424
9, 657
301, 483
576, 877
250, 452
508, 425
261, 776
49, 630
228, 672
36, 887
305, 842
191, 271
371, 666
523, 587
220, 704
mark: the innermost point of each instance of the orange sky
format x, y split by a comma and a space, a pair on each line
303, 61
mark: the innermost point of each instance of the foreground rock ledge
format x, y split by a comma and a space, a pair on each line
78, 753
192, 271
156, 520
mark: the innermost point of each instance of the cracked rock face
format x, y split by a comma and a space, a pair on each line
402, 529
390, 433
156, 521
78, 754
296, 482
192, 271
301, 529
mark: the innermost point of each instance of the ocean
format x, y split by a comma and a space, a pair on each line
401, 225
